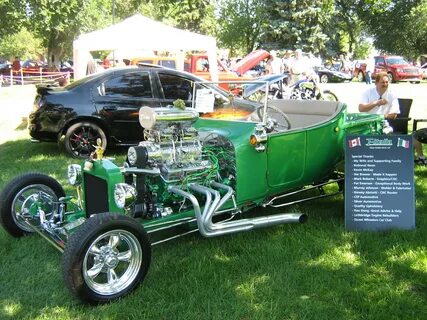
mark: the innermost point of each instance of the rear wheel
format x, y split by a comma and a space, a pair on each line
106, 258
25, 198
81, 139
390, 77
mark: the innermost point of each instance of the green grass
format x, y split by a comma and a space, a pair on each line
312, 271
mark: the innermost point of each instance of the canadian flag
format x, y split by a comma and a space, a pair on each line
354, 142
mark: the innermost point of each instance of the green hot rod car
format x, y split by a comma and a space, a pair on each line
192, 172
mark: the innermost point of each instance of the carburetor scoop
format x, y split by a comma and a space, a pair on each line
159, 118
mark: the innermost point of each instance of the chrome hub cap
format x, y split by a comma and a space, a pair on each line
112, 262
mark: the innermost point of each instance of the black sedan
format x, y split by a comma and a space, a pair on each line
106, 106
332, 75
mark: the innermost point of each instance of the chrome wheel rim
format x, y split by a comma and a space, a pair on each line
112, 262
29, 200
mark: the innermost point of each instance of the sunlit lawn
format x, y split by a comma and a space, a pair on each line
311, 271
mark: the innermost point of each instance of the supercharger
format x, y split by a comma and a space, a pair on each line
171, 146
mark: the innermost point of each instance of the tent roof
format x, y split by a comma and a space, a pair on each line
139, 32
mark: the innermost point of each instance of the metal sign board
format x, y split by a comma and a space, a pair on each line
379, 182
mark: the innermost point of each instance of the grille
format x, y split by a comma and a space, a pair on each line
411, 71
96, 194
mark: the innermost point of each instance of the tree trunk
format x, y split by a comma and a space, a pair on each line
54, 57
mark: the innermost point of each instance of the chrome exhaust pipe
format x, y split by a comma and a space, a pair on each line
214, 201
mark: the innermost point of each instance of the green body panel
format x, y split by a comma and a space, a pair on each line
292, 158
251, 166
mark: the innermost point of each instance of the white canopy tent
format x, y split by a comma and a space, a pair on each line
140, 33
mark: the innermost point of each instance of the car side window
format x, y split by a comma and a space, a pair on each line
133, 84
175, 87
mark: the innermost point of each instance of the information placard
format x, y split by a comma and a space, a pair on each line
205, 100
379, 183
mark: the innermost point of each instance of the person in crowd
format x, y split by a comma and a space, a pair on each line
106, 62
379, 99
301, 67
91, 66
274, 64
370, 67
287, 61
420, 136
16, 64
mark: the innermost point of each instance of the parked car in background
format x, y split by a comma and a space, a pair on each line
105, 106
332, 74
169, 62
397, 69
32, 67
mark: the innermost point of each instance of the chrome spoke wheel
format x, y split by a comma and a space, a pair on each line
112, 262
32, 201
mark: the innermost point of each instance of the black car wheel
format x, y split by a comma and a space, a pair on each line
81, 139
26, 197
106, 258
324, 78
390, 77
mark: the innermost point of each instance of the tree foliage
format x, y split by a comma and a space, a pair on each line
398, 26
22, 44
242, 23
298, 24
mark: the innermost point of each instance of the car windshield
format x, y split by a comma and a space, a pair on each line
396, 60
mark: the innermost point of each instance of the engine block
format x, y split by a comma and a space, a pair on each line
171, 145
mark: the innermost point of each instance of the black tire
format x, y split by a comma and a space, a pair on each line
329, 96
324, 78
87, 274
81, 139
16, 196
390, 77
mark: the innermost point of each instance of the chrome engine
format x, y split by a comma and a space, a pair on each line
171, 146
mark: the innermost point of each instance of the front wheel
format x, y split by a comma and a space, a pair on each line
106, 258
81, 139
28, 197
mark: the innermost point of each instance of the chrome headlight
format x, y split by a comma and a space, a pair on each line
74, 174
132, 156
124, 195
138, 156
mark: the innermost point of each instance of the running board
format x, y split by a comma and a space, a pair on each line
271, 202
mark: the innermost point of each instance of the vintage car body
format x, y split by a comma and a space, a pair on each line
192, 173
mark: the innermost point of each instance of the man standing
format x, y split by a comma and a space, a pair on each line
16, 65
379, 99
274, 64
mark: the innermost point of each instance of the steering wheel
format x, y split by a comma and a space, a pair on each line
275, 114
